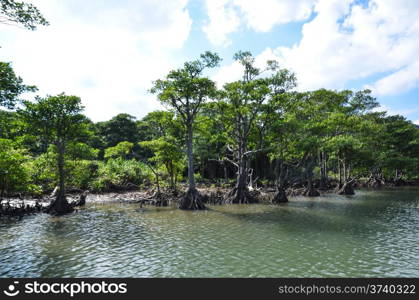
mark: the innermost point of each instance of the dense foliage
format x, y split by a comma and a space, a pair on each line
17, 12
254, 131
11, 86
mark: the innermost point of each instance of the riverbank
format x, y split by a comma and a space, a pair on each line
148, 197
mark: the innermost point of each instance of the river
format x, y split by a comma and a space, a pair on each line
371, 234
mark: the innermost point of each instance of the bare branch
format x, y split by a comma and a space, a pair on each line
255, 151
232, 162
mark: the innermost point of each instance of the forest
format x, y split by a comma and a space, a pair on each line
256, 132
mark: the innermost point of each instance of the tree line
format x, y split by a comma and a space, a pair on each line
256, 131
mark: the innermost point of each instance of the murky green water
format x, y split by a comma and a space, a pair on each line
369, 234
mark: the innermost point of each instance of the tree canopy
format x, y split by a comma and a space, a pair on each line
11, 86
185, 90
18, 12
254, 132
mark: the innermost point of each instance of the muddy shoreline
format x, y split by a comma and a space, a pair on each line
19, 206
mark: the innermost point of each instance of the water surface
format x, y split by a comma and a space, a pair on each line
371, 234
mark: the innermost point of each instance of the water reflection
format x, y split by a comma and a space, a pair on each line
369, 234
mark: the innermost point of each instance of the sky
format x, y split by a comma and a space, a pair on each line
109, 52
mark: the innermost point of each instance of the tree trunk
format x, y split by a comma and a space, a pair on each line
171, 170
280, 195
310, 191
346, 189
192, 199
375, 179
324, 181
241, 194
225, 171
60, 205
172, 182
157, 183
345, 176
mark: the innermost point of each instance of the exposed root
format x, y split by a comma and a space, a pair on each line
345, 189
311, 192
160, 200
324, 185
81, 201
60, 206
293, 192
19, 209
192, 200
242, 196
279, 197
399, 182
375, 182
157, 199
213, 197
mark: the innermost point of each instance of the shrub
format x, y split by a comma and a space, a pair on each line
80, 173
117, 173
42, 171
13, 174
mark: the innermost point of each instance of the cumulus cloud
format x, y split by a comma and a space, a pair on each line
106, 52
262, 15
234, 71
396, 111
226, 16
223, 20
348, 40
400, 81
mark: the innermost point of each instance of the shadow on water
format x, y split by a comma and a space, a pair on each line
302, 214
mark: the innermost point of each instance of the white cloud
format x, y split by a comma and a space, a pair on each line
397, 111
228, 73
400, 81
234, 71
347, 41
226, 16
262, 15
416, 122
223, 19
107, 53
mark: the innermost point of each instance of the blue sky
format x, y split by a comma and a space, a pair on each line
108, 52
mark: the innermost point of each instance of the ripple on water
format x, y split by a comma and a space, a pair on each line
370, 234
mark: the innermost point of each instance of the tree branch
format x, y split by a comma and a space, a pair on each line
255, 151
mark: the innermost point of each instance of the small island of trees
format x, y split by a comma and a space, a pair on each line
211, 145
257, 132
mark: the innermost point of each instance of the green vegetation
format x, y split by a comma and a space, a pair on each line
254, 131
57, 121
25, 14
11, 86
185, 90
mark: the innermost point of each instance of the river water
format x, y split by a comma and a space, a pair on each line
371, 234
